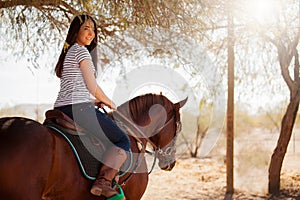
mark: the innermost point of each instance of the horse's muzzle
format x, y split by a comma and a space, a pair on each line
167, 166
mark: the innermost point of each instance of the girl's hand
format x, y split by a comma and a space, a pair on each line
112, 106
101, 104
98, 103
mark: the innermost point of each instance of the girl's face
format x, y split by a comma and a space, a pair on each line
86, 33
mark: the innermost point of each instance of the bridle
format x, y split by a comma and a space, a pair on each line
157, 150
168, 151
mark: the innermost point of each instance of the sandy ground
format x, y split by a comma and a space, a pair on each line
197, 179
205, 179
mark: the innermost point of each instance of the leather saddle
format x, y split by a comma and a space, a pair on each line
60, 120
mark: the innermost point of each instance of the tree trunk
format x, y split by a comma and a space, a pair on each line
230, 104
287, 125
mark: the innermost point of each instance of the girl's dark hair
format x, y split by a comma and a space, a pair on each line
71, 39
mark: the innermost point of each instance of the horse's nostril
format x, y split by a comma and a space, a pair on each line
167, 166
172, 165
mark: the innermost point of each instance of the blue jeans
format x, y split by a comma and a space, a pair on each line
97, 123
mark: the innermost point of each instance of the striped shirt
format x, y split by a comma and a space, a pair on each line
73, 88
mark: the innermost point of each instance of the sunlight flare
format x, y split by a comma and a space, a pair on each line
261, 11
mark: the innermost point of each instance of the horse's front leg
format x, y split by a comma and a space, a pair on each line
136, 186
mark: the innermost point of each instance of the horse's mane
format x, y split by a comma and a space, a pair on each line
139, 106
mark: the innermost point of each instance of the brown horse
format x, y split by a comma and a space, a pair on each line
37, 163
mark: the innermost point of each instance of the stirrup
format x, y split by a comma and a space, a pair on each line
119, 196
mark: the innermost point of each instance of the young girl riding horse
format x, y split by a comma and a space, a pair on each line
76, 69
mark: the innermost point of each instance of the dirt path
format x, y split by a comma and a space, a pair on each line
197, 179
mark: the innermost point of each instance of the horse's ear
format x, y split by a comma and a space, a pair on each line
181, 103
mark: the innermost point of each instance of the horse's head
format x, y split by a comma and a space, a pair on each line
165, 136
158, 120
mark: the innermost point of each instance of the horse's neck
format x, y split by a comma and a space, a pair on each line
148, 128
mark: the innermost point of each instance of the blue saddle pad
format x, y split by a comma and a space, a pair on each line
86, 150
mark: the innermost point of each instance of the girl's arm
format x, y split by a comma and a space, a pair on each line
93, 87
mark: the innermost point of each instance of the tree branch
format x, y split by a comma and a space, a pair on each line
14, 3
39, 4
